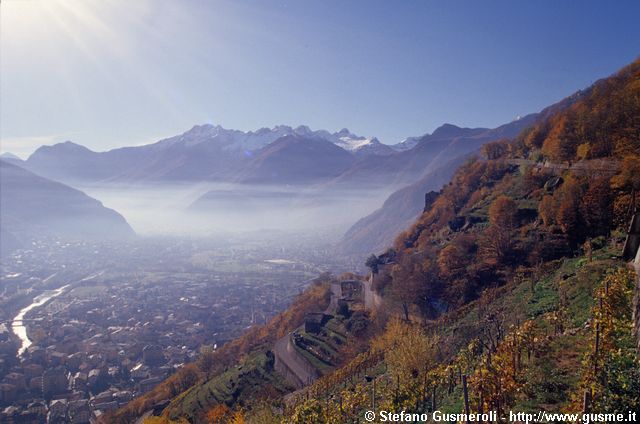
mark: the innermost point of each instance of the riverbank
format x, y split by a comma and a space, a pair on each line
18, 325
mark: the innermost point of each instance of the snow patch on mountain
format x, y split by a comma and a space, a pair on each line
407, 144
241, 141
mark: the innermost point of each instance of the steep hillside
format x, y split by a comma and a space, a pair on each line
509, 284
33, 206
527, 346
508, 293
515, 209
440, 154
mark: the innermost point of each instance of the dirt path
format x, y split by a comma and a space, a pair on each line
591, 166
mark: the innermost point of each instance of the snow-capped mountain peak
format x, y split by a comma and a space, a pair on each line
241, 141
351, 142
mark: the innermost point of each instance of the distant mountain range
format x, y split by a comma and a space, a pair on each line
280, 155
33, 206
209, 153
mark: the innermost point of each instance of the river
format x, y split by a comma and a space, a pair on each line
19, 327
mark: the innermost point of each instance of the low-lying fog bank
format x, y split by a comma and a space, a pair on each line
204, 209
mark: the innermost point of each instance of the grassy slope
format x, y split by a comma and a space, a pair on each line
553, 375
251, 378
254, 378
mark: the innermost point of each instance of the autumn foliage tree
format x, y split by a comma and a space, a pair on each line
221, 414
207, 360
580, 208
560, 144
407, 349
627, 185
413, 283
596, 207
567, 214
456, 266
497, 241
455, 257
534, 136
496, 149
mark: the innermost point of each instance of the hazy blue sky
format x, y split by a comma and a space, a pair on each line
108, 73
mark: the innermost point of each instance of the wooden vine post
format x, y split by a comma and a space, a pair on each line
465, 391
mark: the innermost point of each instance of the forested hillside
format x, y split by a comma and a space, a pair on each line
509, 290
567, 181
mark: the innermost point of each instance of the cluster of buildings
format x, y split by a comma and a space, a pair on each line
144, 311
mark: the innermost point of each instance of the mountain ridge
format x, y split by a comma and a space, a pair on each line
213, 153
33, 206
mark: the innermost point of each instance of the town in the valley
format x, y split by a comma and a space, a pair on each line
86, 328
